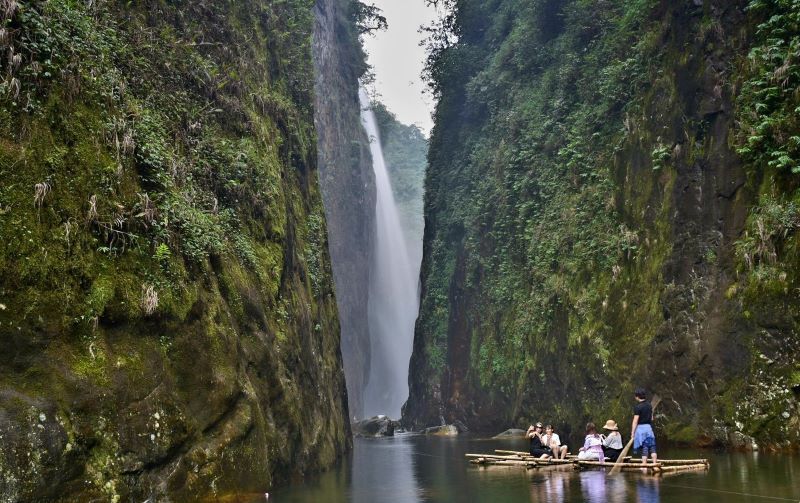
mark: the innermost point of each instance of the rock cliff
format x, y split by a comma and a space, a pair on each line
168, 327
611, 202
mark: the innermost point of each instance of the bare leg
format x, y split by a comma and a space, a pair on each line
655, 457
563, 452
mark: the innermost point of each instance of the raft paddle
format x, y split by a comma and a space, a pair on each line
618, 465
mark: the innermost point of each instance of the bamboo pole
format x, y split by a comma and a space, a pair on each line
624, 465
680, 468
515, 453
501, 462
554, 461
518, 453
497, 456
683, 461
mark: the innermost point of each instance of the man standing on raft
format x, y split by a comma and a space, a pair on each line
641, 427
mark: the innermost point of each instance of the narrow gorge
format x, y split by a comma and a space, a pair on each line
222, 253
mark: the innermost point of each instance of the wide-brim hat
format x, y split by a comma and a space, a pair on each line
611, 425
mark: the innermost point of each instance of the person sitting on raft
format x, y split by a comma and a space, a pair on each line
553, 441
538, 448
612, 443
644, 439
593, 445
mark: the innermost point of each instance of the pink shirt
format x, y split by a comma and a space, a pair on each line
593, 443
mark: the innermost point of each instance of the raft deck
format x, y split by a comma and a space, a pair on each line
524, 459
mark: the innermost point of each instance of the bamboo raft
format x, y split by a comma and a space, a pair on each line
524, 459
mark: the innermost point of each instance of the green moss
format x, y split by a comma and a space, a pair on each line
101, 293
161, 223
92, 365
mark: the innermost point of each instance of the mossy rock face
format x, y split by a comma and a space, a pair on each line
593, 225
167, 321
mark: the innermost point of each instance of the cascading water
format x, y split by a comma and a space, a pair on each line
393, 292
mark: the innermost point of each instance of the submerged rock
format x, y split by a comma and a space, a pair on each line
446, 430
511, 433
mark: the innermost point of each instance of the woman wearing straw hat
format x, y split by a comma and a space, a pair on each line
612, 443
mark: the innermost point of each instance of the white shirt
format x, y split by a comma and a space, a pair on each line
613, 440
549, 440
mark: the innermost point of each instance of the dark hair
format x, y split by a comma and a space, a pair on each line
549, 427
591, 429
640, 393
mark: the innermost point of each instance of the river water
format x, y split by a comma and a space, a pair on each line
411, 469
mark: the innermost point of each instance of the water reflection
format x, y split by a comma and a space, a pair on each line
647, 490
411, 469
384, 468
550, 486
593, 486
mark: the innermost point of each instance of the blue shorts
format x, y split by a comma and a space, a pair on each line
645, 439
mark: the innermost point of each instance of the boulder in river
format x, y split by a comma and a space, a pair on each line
511, 433
446, 430
378, 426
739, 440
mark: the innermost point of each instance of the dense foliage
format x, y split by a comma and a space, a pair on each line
175, 162
583, 200
768, 251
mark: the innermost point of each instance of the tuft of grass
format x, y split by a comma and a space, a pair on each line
149, 299
39, 193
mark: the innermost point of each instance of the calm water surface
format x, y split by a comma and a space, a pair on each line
411, 469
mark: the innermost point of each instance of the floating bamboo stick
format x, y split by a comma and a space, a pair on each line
680, 468
518, 453
683, 461
624, 465
501, 462
553, 461
523, 454
500, 457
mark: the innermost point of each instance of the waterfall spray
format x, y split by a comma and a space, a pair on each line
393, 292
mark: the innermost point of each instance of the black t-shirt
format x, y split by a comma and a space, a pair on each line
536, 442
645, 412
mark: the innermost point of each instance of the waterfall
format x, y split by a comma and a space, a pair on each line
393, 292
